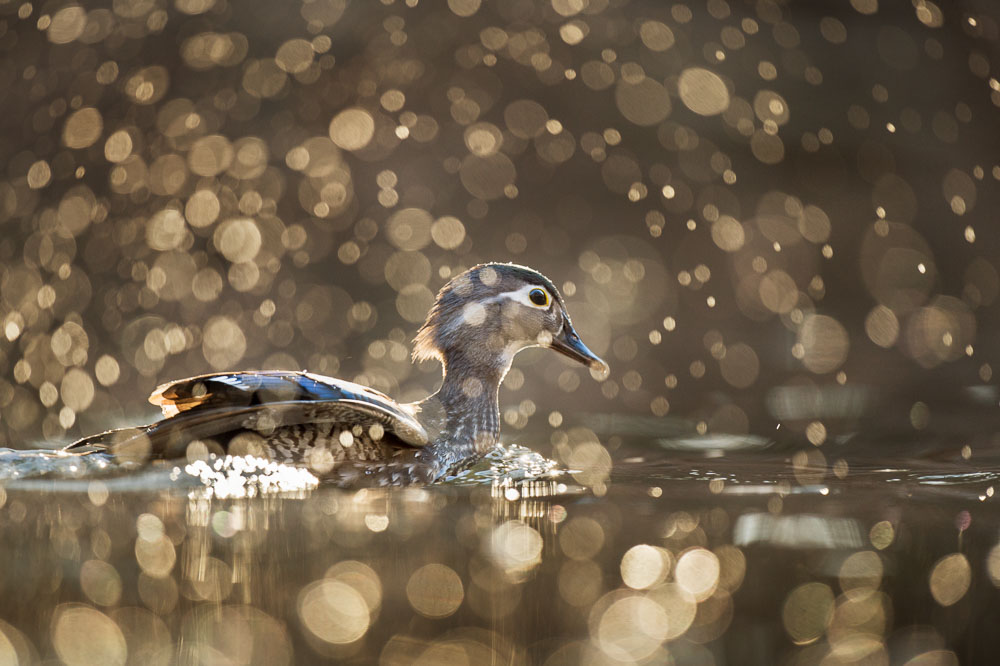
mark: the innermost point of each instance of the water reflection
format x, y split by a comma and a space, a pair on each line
776, 217
709, 561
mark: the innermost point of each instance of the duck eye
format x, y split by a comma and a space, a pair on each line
539, 297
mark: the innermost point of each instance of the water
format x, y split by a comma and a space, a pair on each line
739, 553
774, 218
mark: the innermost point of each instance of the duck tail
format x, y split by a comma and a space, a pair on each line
108, 440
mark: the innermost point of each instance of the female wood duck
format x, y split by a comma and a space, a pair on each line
352, 433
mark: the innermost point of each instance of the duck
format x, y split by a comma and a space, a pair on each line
353, 434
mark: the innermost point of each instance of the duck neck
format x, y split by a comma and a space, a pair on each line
469, 397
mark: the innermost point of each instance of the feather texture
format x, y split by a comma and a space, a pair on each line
352, 433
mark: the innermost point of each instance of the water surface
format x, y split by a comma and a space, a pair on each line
745, 551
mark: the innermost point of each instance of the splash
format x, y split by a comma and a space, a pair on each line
511, 463
15, 464
235, 477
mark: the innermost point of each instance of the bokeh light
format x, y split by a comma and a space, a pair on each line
772, 218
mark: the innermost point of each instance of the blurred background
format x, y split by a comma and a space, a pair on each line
749, 206
772, 218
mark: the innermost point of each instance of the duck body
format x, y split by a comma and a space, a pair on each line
354, 434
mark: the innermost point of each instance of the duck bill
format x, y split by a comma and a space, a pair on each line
569, 344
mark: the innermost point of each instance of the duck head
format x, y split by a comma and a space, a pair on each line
489, 313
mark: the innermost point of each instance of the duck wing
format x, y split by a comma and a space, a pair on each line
246, 389
210, 405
